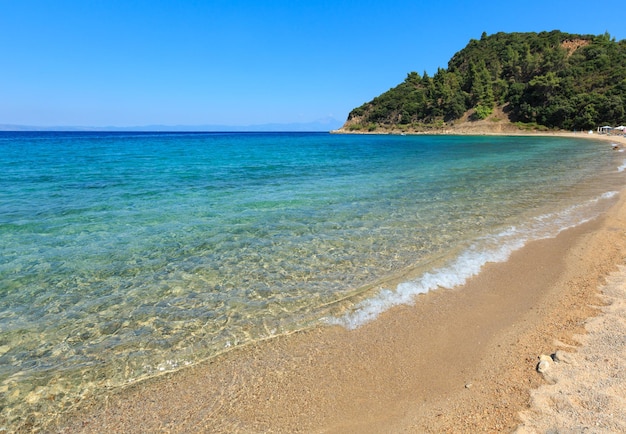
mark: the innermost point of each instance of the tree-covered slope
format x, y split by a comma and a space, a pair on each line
554, 79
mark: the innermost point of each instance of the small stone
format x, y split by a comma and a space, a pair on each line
545, 362
468, 385
544, 367
562, 357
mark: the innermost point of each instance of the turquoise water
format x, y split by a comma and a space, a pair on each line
125, 255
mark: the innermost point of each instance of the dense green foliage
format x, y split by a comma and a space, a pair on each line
553, 79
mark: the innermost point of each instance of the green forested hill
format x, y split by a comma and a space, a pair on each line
553, 79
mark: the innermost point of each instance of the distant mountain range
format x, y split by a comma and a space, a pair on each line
321, 125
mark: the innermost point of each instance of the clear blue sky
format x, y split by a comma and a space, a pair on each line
243, 62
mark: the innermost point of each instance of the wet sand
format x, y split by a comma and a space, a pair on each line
458, 360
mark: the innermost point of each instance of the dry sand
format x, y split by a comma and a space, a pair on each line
459, 360
586, 390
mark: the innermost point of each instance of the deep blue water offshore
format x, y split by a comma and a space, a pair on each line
123, 255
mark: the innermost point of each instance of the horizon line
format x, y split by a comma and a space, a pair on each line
321, 125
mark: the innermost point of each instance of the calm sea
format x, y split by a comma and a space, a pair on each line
123, 255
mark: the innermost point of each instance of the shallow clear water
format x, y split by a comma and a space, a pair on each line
124, 255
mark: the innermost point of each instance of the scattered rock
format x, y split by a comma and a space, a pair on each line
544, 367
545, 363
562, 357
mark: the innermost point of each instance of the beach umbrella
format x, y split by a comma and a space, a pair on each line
621, 128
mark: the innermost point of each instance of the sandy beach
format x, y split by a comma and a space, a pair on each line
458, 360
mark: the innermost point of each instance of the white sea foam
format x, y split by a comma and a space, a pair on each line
494, 248
622, 167
609, 194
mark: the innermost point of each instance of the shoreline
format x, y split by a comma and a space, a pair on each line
459, 360
487, 132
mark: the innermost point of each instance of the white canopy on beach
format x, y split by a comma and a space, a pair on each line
621, 128
605, 129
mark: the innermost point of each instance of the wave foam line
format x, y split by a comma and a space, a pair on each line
495, 248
